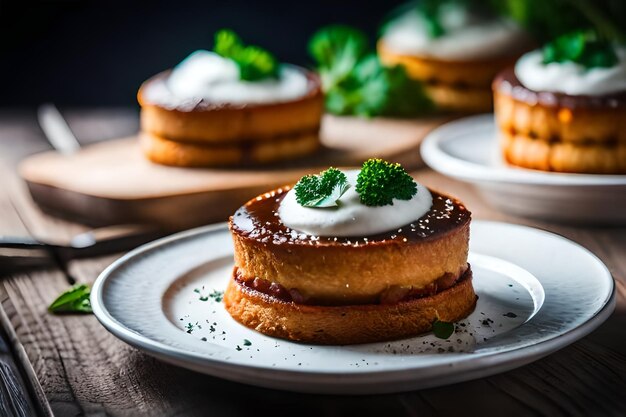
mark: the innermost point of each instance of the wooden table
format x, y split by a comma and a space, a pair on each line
70, 365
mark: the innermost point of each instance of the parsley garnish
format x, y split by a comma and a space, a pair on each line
217, 295
74, 300
356, 82
581, 47
430, 9
321, 190
433, 13
190, 327
246, 342
442, 329
254, 63
379, 182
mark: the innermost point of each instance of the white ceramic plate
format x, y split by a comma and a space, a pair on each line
467, 149
537, 293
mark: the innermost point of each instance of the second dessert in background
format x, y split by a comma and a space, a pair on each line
234, 106
563, 107
455, 49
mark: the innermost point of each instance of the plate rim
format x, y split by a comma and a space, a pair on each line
439, 160
464, 370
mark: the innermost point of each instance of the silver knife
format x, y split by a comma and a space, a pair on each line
56, 129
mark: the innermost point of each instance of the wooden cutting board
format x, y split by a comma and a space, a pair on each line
111, 182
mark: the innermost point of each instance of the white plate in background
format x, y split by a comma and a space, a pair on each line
467, 149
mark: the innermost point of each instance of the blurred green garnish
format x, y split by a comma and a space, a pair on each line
337, 49
355, 82
581, 47
254, 63
546, 20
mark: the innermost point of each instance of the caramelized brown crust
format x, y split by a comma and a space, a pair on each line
462, 86
348, 324
207, 122
350, 270
194, 154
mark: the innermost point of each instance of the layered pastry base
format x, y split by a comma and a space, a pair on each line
347, 288
195, 154
457, 67
561, 118
202, 114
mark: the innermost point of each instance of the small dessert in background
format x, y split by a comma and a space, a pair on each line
455, 48
235, 105
350, 257
563, 108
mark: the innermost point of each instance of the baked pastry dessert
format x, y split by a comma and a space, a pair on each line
350, 273
563, 116
454, 50
225, 108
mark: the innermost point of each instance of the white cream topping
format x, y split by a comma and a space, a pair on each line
569, 77
206, 75
351, 217
465, 37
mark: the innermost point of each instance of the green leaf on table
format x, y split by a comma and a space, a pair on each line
254, 63
74, 300
443, 329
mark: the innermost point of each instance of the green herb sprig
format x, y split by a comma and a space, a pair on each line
74, 300
356, 82
581, 47
443, 329
379, 182
321, 190
254, 63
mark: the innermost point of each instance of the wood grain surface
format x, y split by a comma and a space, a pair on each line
83, 370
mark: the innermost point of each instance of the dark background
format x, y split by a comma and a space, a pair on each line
96, 53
